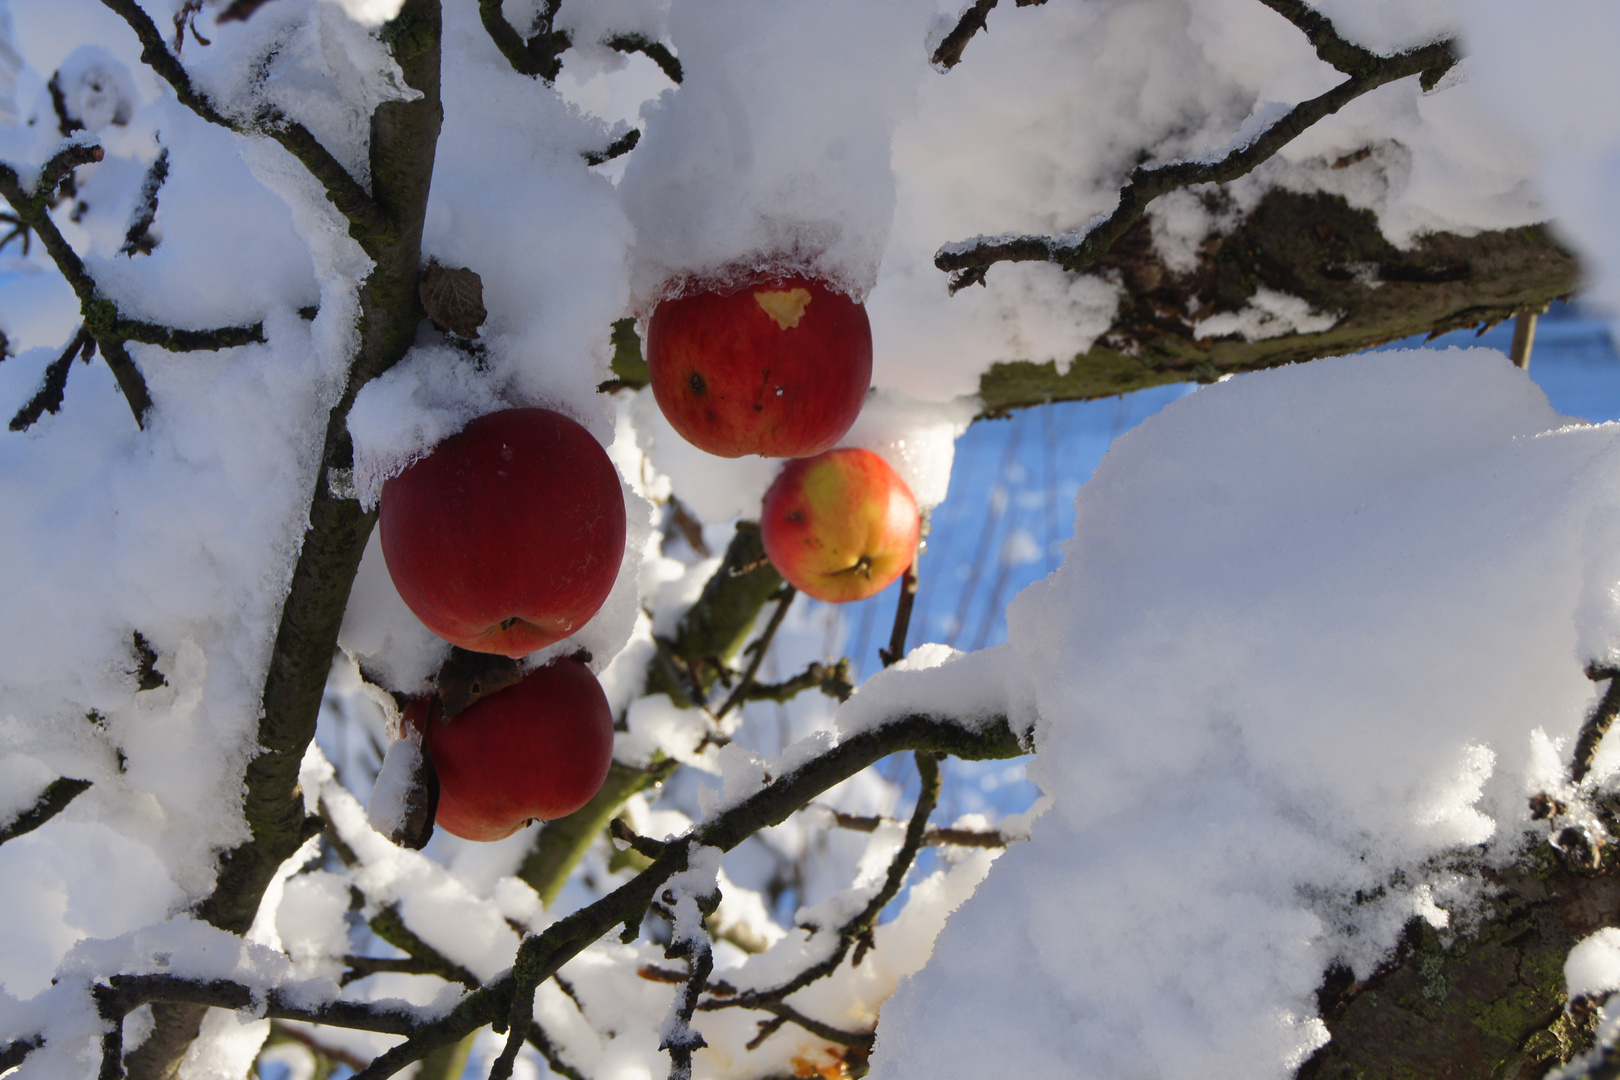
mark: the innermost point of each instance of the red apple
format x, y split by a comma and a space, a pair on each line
779, 368
539, 749
509, 534
840, 526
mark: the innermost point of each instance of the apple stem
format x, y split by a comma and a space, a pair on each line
759, 649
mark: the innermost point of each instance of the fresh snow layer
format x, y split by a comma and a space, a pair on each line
1317, 626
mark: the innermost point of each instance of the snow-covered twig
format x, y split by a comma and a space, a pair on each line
52, 801
656, 51
541, 955
968, 261
857, 931
690, 897
345, 191
539, 54
949, 51
1597, 723
136, 238
52, 388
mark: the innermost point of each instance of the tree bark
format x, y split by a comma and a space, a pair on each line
1315, 247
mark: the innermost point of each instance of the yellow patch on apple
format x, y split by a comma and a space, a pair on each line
784, 306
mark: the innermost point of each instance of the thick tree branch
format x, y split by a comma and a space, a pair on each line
968, 262
52, 801
369, 221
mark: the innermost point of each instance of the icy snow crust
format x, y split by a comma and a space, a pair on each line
1317, 625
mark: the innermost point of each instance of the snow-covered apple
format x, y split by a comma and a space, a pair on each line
840, 526
508, 535
538, 749
778, 368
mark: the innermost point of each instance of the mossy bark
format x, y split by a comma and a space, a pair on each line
1315, 247
1484, 1002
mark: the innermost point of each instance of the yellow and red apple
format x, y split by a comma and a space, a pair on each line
538, 749
840, 526
508, 535
778, 368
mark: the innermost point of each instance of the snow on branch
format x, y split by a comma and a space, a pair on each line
105, 324
540, 956
968, 261
52, 801
948, 53
346, 193
856, 931
539, 54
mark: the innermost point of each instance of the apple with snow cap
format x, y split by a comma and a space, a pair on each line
840, 526
508, 535
779, 368
538, 749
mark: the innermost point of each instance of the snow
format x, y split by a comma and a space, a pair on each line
1316, 627
1313, 628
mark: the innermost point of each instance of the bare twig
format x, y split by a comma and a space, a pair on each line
968, 262
52, 801
833, 681
902, 613
689, 940
760, 646
934, 837
620, 829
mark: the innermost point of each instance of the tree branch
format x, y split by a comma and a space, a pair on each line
771, 805
656, 51
389, 925
540, 54
857, 931
968, 261
369, 222
759, 648
1597, 723
52, 388
52, 801
833, 681
949, 52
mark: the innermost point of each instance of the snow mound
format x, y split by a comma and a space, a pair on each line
1317, 626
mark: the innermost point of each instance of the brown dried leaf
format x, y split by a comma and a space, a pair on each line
454, 298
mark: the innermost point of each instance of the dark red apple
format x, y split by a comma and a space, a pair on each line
779, 368
840, 526
539, 749
508, 535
